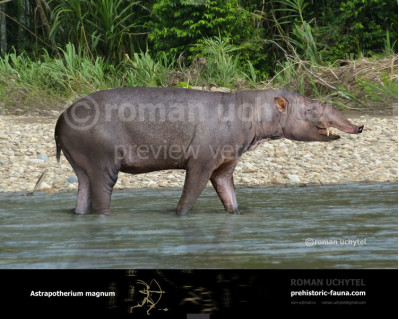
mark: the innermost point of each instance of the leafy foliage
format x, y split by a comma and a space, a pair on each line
358, 26
102, 27
319, 30
222, 65
178, 25
78, 46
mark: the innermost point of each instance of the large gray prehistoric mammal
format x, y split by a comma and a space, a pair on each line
140, 130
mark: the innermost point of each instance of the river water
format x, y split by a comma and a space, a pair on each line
336, 226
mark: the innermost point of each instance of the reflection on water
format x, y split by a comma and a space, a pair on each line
342, 226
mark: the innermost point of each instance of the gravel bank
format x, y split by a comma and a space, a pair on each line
28, 149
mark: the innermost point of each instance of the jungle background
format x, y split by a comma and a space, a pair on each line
340, 52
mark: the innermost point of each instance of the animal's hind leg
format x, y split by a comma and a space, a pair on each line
83, 201
197, 177
101, 186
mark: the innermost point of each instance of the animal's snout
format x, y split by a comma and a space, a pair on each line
359, 129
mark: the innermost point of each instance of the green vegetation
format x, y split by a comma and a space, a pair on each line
342, 52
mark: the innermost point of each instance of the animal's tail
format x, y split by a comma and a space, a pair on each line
58, 146
57, 142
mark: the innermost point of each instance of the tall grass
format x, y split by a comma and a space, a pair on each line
223, 66
102, 27
143, 70
389, 48
301, 41
73, 73
386, 90
292, 9
25, 81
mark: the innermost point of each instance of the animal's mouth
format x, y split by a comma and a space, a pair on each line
328, 132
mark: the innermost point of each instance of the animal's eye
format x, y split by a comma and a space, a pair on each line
314, 112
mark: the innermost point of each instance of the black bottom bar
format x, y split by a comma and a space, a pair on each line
198, 294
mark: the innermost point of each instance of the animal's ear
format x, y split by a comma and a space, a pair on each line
280, 103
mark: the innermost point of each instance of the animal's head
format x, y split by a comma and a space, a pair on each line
303, 119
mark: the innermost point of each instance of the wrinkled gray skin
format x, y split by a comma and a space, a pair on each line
140, 130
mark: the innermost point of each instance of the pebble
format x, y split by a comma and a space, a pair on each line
276, 180
72, 179
36, 160
42, 157
44, 186
27, 149
294, 179
71, 187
